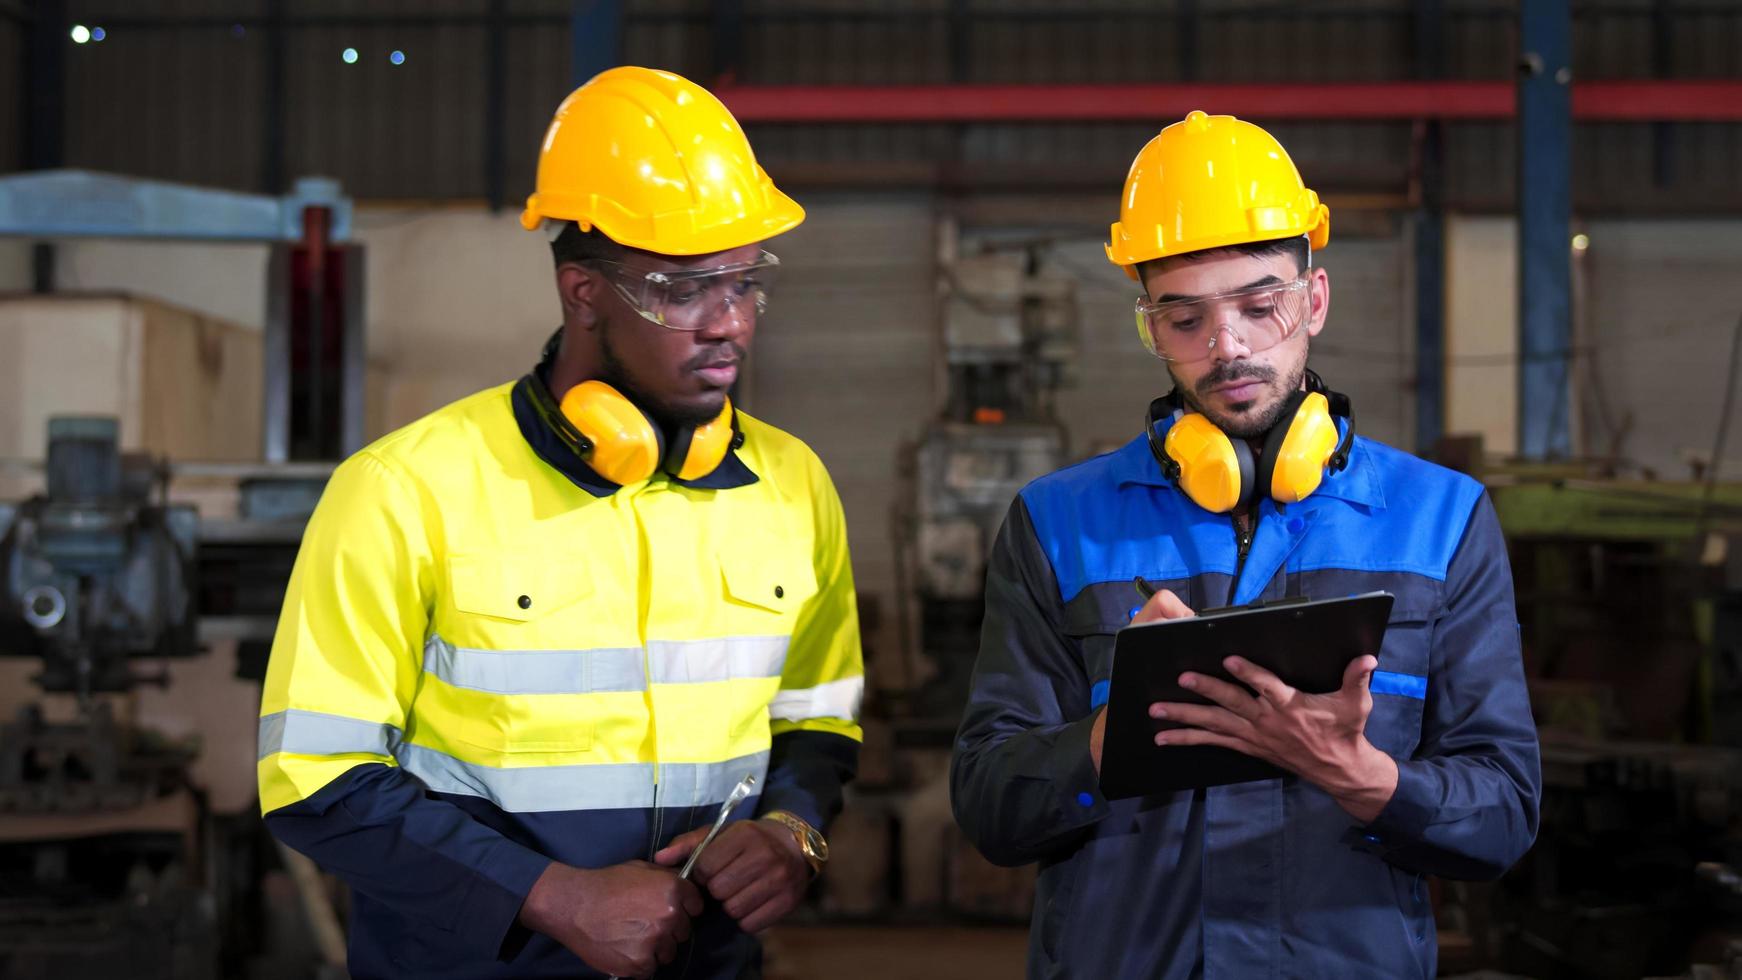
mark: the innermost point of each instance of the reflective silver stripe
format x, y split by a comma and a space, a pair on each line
595, 787
604, 669
317, 733
699, 661
536, 671
836, 699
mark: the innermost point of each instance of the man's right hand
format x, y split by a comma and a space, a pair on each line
625, 920
1162, 605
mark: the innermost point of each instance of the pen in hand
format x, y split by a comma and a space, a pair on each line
1143, 587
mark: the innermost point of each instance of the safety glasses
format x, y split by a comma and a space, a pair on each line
1257, 318
694, 299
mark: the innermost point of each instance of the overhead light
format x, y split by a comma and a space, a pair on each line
81, 33
350, 56
397, 57
1581, 241
97, 34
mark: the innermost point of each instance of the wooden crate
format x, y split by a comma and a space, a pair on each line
184, 385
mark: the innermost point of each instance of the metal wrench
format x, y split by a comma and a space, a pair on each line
739, 792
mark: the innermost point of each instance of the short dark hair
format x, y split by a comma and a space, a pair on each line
1295, 247
584, 247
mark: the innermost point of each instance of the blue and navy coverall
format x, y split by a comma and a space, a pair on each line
1259, 879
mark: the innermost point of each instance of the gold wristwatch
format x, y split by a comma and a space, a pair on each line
810, 840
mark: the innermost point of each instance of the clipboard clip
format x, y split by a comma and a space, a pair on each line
1287, 600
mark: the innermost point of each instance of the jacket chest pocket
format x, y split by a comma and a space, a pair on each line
521, 677
767, 586
1399, 684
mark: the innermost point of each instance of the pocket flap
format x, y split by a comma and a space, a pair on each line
520, 588
774, 581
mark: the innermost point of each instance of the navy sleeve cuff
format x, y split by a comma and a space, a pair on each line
1406, 816
1076, 784
489, 912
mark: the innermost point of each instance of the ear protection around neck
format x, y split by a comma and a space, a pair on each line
1221, 474
623, 444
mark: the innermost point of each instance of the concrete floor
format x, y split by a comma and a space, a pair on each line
886, 952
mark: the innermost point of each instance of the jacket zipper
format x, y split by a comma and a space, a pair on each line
1243, 540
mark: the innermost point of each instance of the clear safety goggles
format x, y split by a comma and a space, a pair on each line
1257, 318
692, 300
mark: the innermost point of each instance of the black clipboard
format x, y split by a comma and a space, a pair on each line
1307, 643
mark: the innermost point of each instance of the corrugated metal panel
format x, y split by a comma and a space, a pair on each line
178, 105
1613, 43
537, 82
410, 131
11, 96
97, 12
1479, 40
186, 102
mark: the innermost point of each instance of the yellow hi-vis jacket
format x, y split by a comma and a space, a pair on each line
489, 659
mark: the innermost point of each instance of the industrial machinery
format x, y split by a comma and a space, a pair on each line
111, 861
94, 575
1630, 604
1009, 337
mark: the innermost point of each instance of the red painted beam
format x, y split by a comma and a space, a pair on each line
1632, 101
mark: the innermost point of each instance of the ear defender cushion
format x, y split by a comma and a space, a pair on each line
627, 446
701, 450
1295, 454
1215, 471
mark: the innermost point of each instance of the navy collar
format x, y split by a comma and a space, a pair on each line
554, 440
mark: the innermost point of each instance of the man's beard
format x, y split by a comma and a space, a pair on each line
1245, 426
670, 417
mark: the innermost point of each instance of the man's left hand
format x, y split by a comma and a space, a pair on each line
1319, 737
755, 869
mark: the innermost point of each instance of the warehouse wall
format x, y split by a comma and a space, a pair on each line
1482, 329
14, 265
460, 299
1664, 308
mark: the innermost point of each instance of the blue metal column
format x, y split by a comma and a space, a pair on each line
1545, 140
1430, 243
595, 38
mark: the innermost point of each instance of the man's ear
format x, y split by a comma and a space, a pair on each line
578, 289
1319, 289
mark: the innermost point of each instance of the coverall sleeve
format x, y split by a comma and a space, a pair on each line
343, 669
1022, 783
814, 717
1466, 805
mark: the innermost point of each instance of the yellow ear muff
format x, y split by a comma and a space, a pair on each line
708, 446
1214, 471
1298, 464
626, 445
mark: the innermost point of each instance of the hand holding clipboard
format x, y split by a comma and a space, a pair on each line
1241, 694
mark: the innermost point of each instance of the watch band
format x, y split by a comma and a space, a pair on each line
808, 838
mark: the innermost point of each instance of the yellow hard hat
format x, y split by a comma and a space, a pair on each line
1209, 182
655, 162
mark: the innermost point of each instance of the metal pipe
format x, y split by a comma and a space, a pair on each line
1637, 100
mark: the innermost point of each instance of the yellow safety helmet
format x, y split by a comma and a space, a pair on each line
1209, 182
655, 162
